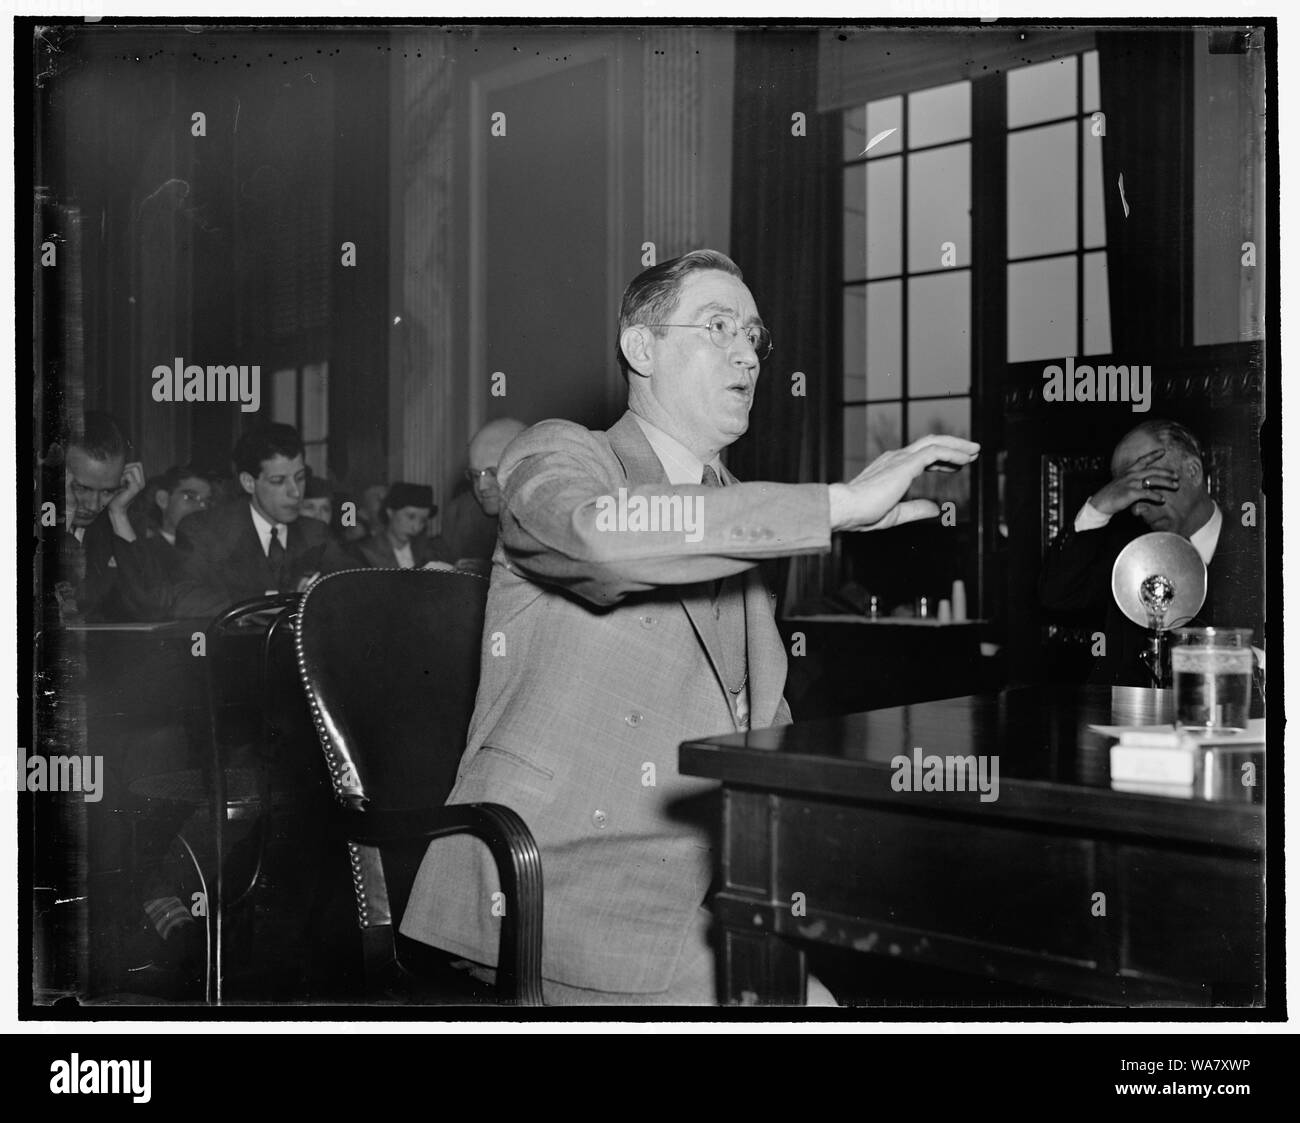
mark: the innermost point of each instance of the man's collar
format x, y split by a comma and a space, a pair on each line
1206, 540
263, 525
680, 464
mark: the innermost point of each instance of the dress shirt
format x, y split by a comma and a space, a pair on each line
1205, 540
263, 527
681, 465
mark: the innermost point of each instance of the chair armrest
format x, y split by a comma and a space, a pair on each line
519, 867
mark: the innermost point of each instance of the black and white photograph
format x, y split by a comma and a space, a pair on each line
678, 519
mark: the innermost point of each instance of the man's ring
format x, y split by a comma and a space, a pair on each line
1146, 484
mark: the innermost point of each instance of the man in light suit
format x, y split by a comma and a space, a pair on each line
609, 640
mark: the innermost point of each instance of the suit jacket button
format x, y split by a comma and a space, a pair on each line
599, 818
633, 718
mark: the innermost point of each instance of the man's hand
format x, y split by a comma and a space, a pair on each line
438, 565
305, 583
1142, 481
132, 485
872, 500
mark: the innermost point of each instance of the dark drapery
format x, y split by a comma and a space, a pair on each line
785, 237
1145, 95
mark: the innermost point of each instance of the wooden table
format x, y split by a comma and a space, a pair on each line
1060, 884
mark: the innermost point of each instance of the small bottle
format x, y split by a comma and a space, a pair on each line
945, 611
873, 607
959, 600
923, 608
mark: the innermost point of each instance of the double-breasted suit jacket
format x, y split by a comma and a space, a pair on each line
602, 651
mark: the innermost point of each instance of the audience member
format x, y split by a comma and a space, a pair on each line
104, 571
469, 525
262, 545
401, 542
318, 500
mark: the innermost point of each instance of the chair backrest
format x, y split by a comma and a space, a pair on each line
390, 662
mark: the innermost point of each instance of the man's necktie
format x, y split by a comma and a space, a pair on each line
711, 480
276, 556
730, 614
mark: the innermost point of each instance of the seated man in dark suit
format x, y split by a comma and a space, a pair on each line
401, 542
103, 570
179, 492
246, 548
1157, 484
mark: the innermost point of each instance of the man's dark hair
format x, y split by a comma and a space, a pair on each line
145, 507
101, 437
652, 295
170, 480
1172, 434
259, 445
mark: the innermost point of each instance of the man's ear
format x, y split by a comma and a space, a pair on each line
1195, 472
162, 497
247, 482
635, 342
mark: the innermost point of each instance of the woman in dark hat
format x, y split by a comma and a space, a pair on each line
401, 542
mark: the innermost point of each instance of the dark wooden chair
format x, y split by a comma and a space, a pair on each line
390, 662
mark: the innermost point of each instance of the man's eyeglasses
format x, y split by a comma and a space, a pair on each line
723, 330
474, 475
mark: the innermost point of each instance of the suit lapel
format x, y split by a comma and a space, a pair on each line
642, 466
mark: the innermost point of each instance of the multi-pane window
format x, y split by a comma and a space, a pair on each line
906, 167
907, 277
300, 397
1056, 222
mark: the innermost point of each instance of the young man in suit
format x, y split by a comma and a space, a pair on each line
259, 544
401, 542
1157, 484
605, 647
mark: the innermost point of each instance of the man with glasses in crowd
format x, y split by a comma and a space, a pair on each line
609, 641
469, 526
